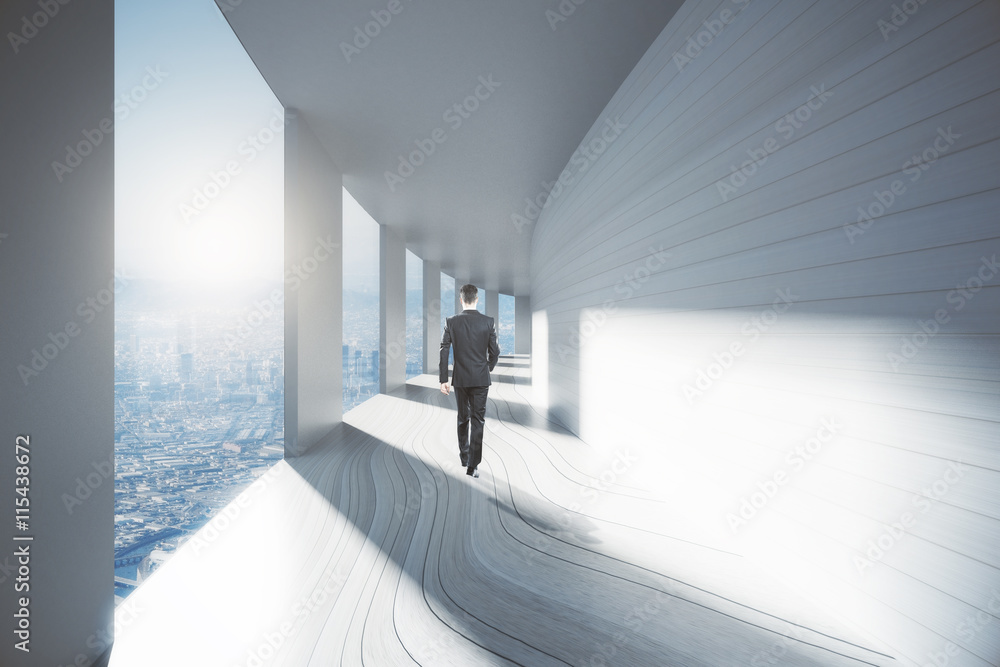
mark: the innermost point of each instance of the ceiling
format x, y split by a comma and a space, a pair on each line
543, 71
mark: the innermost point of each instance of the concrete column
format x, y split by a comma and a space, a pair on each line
57, 267
392, 311
432, 316
493, 306
458, 295
522, 325
314, 304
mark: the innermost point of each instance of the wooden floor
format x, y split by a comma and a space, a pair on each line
376, 549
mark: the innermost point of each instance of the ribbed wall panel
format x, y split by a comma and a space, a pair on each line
715, 330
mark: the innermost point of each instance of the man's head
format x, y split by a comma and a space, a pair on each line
469, 295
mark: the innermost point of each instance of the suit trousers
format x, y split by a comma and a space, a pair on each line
471, 408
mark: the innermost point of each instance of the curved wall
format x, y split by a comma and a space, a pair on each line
770, 272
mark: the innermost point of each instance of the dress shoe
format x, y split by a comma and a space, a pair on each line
472, 472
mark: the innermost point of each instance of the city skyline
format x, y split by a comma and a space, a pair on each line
199, 242
198, 150
199, 404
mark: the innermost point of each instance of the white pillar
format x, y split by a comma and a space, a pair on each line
392, 311
432, 316
458, 295
522, 325
314, 311
493, 306
57, 243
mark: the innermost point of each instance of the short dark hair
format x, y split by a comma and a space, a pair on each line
469, 294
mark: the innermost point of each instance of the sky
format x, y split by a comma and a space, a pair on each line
188, 102
199, 155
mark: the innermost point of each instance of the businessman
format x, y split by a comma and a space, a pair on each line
474, 337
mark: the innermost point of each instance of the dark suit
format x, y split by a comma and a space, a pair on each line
474, 337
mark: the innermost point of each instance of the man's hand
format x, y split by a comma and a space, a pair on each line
445, 389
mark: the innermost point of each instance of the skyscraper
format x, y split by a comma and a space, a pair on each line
186, 366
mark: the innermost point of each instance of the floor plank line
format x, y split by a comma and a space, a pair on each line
374, 548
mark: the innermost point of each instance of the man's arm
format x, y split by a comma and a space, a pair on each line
494, 351
443, 359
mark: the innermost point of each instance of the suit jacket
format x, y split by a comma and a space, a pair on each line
474, 336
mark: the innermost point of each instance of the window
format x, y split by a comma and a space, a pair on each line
199, 336
505, 325
414, 315
361, 304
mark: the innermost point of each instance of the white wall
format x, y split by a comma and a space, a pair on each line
432, 316
56, 252
493, 308
522, 325
392, 310
702, 271
314, 293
